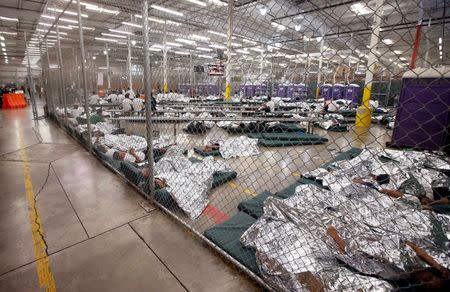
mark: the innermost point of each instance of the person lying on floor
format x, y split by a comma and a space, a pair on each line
211, 147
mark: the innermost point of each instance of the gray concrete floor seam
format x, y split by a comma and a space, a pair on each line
158, 257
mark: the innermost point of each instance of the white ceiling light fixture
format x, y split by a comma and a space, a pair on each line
319, 39
167, 10
9, 19
218, 2
181, 53
204, 49
216, 46
60, 26
249, 41
197, 2
67, 12
2, 38
189, 42
2, 44
94, 57
205, 56
174, 44
297, 27
263, 10
397, 52
99, 9
114, 35
154, 49
7, 33
121, 31
199, 37
68, 20
360, 9
159, 20
278, 26
52, 31
218, 33
131, 24
388, 41
260, 50
84, 27
133, 42
48, 16
440, 41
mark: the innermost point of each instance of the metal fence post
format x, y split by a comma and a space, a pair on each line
49, 83
229, 49
84, 79
63, 87
148, 96
108, 75
30, 82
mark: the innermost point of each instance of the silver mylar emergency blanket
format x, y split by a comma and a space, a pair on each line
291, 237
241, 146
188, 183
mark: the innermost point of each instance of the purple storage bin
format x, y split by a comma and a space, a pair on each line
202, 89
300, 92
213, 89
242, 90
261, 89
290, 91
337, 91
423, 114
352, 93
282, 91
249, 90
325, 91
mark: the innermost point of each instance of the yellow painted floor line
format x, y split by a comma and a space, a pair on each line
45, 276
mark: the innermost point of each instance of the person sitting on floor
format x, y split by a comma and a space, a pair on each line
97, 117
269, 106
132, 156
94, 99
211, 147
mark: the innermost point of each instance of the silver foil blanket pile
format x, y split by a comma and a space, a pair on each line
188, 183
291, 240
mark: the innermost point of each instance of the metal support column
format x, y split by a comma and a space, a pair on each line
165, 66
319, 71
191, 74
148, 94
30, 82
61, 76
108, 75
130, 77
42, 70
229, 49
49, 83
364, 112
84, 79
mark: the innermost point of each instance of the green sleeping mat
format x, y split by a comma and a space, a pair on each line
200, 151
347, 113
292, 136
165, 199
338, 128
226, 235
309, 140
346, 155
442, 209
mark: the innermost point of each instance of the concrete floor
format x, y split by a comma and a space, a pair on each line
99, 238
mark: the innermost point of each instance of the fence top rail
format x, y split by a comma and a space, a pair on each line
221, 119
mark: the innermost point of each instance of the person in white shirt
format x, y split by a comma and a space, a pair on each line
94, 99
126, 104
269, 106
114, 98
138, 104
120, 98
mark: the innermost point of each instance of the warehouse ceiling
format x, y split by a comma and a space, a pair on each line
278, 34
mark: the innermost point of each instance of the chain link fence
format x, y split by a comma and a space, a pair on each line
306, 141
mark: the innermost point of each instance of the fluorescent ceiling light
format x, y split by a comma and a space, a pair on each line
131, 24
243, 51
7, 33
9, 18
216, 46
189, 42
51, 31
48, 16
218, 33
181, 53
99, 9
360, 9
249, 41
2, 44
199, 3
258, 50
397, 52
205, 56
174, 44
204, 49
199, 37
167, 10
114, 35
68, 20
83, 27
2, 38
403, 58
388, 41
319, 39
297, 27
109, 40
154, 49
60, 26
4, 49
133, 42
121, 31
67, 12
440, 40
218, 2
278, 26
159, 20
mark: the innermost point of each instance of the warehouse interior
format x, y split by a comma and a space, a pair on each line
280, 145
